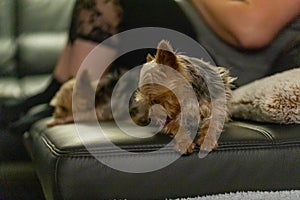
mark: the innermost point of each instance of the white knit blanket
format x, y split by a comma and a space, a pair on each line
278, 195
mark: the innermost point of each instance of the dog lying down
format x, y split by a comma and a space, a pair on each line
159, 85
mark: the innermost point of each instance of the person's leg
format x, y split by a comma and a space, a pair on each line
72, 58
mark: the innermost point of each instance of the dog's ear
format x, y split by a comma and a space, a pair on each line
165, 55
149, 57
53, 101
84, 81
84, 90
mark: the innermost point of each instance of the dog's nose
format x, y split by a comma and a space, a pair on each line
133, 111
144, 121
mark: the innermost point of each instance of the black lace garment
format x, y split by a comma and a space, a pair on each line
97, 20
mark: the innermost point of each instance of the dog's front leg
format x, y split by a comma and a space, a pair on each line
208, 135
59, 121
87, 116
183, 142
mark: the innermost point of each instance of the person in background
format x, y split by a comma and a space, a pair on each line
249, 36
248, 24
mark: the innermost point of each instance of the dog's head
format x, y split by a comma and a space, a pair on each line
158, 78
63, 100
62, 103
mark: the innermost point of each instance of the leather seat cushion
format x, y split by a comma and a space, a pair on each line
251, 156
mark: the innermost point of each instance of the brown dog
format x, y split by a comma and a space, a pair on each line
168, 91
65, 108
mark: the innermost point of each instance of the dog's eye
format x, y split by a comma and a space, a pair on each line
133, 111
155, 101
63, 108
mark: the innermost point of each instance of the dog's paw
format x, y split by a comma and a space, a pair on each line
207, 143
52, 122
183, 143
185, 148
58, 121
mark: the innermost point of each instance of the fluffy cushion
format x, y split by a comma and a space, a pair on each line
274, 99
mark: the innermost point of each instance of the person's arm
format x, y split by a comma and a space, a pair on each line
248, 23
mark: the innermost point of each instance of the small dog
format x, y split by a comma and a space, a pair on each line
63, 100
62, 103
150, 93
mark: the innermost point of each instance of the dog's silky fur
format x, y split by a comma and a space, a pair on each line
63, 100
149, 94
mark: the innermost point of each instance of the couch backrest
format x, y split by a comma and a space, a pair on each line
7, 30
32, 34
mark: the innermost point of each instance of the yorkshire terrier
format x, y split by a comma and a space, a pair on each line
149, 93
164, 89
64, 106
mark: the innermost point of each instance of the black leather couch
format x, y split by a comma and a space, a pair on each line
30, 42
251, 156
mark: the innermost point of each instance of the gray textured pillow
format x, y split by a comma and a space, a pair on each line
274, 99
